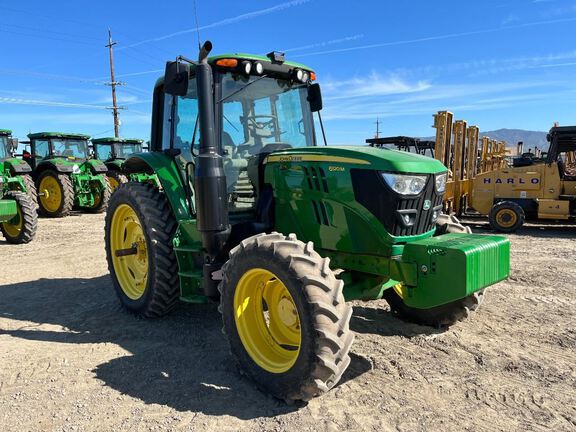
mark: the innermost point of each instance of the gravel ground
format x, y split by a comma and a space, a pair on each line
72, 359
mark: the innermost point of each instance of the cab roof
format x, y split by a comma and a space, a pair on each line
4, 132
244, 56
58, 135
260, 58
112, 140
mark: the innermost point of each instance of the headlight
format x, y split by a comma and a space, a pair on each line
405, 184
441, 182
76, 169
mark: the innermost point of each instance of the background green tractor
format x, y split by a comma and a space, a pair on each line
280, 230
64, 174
113, 152
18, 215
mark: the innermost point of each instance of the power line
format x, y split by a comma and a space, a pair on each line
38, 102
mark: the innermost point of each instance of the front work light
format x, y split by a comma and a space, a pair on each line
405, 184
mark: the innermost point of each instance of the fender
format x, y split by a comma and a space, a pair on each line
55, 165
96, 166
114, 165
17, 166
169, 177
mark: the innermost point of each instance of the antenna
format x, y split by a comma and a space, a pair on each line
113, 83
197, 26
378, 122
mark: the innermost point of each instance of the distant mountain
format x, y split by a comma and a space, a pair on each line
513, 136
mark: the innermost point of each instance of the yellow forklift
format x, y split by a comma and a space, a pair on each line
533, 188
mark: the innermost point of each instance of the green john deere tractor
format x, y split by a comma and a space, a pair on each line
113, 152
248, 209
65, 176
18, 215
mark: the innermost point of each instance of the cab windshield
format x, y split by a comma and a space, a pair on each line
103, 151
4, 151
124, 151
70, 148
260, 111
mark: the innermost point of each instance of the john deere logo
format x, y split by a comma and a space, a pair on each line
427, 205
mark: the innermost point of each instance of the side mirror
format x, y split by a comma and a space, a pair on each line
315, 97
176, 78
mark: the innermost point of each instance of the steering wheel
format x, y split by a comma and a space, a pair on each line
252, 121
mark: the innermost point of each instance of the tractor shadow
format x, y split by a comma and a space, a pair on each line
181, 361
382, 322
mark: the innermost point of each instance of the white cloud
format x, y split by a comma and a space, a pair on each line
454, 97
373, 85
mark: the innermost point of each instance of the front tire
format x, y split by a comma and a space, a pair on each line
285, 316
140, 223
101, 197
506, 216
56, 194
22, 228
440, 316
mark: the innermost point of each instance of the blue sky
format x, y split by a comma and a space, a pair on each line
495, 63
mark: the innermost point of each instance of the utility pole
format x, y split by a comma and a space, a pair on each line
377, 127
113, 84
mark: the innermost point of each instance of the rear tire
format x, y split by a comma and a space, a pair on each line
31, 189
147, 282
322, 336
103, 198
446, 314
56, 194
24, 228
116, 178
506, 216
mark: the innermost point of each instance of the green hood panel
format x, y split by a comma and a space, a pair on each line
362, 157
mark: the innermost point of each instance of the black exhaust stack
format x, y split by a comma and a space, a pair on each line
210, 180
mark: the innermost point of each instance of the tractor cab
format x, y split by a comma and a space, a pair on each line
56, 145
7, 144
261, 105
562, 151
113, 152
115, 149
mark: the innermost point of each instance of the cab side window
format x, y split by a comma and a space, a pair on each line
180, 116
42, 149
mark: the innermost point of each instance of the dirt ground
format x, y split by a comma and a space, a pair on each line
72, 359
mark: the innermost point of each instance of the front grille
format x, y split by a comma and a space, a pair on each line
387, 206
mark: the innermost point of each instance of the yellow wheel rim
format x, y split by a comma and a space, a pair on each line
113, 183
126, 234
506, 218
50, 194
13, 227
267, 320
97, 198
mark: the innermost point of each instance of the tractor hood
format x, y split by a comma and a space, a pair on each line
362, 157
